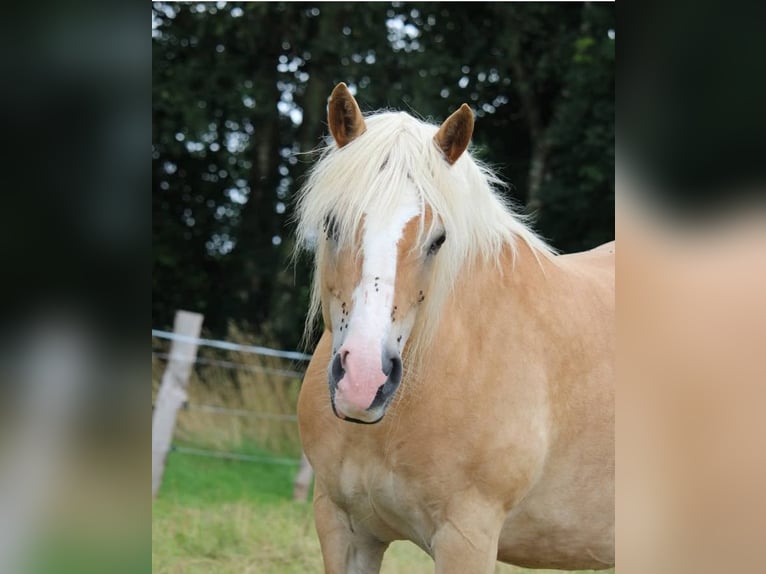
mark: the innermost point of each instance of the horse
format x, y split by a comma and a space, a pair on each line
461, 393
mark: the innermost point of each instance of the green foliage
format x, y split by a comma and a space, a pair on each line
239, 97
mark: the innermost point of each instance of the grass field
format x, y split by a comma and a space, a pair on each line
221, 516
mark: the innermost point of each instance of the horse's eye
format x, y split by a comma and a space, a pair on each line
437, 244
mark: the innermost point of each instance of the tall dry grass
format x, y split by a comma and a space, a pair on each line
238, 381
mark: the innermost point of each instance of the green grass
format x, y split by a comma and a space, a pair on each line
194, 481
221, 517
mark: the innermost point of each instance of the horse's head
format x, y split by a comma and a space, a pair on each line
378, 243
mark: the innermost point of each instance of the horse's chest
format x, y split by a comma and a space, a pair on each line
381, 500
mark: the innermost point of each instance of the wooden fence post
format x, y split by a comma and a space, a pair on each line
172, 392
302, 480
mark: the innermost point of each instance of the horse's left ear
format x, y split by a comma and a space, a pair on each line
455, 133
344, 116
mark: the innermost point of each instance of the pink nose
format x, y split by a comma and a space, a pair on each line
363, 376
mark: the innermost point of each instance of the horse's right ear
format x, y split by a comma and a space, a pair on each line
455, 133
344, 116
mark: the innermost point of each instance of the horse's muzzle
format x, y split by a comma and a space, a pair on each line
361, 393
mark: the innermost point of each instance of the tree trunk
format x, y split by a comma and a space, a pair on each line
537, 172
537, 129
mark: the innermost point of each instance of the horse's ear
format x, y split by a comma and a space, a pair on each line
344, 116
455, 133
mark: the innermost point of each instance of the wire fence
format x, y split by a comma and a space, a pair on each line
240, 412
233, 365
228, 346
287, 375
234, 456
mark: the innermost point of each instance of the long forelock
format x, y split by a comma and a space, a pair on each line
369, 177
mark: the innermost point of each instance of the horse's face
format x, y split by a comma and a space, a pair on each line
372, 291
370, 300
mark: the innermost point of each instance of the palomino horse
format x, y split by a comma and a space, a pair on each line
484, 361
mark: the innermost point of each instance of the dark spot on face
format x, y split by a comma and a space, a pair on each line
399, 339
421, 297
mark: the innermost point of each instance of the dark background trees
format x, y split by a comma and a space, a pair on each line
240, 92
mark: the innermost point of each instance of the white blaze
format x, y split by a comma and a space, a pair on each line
373, 298
369, 333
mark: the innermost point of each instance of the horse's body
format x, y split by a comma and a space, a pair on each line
499, 443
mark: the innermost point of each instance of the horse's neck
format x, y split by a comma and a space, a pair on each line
494, 314
490, 295
518, 274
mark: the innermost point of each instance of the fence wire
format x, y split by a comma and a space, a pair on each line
226, 345
233, 365
234, 455
239, 412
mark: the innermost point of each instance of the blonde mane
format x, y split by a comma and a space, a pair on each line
371, 174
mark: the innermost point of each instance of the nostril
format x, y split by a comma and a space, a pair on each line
337, 369
392, 367
343, 354
388, 367
396, 369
